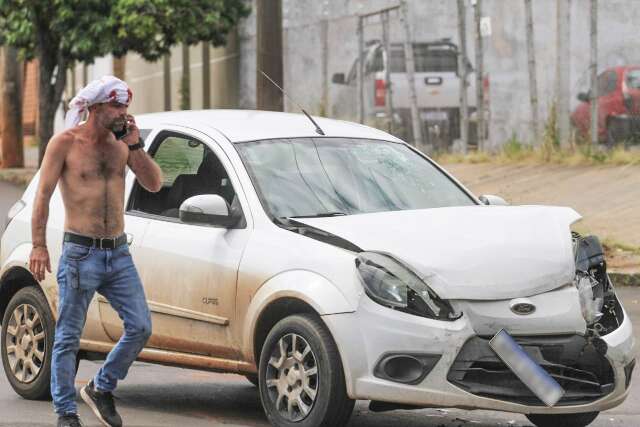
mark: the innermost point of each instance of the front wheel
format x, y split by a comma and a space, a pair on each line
27, 340
301, 376
563, 420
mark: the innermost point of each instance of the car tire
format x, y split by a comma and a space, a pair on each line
253, 379
563, 420
28, 339
309, 370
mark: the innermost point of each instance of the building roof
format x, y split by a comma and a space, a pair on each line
248, 125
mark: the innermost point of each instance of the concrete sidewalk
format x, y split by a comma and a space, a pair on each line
22, 176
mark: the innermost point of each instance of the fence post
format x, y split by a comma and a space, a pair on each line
594, 72
533, 85
480, 113
361, 58
387, 75
462, 67
416, 124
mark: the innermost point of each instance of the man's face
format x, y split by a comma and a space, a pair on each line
112, 115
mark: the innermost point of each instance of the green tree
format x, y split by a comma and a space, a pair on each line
59, 32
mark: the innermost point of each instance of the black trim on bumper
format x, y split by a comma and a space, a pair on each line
578, 365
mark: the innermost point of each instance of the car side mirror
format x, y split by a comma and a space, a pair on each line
584, 97
491, 200
209, 209
338, 78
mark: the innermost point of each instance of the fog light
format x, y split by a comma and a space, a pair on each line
405, 368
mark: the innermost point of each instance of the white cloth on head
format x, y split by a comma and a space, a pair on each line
106, 89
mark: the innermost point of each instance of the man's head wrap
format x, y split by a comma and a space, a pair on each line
106, 89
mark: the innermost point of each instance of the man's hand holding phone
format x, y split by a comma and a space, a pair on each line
133, 133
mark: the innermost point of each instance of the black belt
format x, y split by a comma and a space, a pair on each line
97, 242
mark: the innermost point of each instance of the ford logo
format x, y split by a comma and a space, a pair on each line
522, 308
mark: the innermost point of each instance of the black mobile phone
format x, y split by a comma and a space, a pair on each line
121, 133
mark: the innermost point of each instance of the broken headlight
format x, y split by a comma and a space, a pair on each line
391, 283
600, 307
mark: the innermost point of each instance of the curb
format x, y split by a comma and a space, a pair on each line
18, 176
620, 279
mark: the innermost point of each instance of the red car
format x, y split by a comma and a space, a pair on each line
618, 106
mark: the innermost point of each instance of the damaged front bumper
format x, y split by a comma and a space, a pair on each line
391, 356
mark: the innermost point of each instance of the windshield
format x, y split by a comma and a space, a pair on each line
342, 176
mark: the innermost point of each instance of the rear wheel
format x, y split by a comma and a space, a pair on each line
301, 375
27, 341
563, 420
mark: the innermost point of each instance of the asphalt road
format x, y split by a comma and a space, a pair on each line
161, 396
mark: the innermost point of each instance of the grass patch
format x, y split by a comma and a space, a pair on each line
613, 245
514, 151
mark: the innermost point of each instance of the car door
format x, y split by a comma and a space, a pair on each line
188, 271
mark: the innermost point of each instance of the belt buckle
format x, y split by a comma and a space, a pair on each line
101, 239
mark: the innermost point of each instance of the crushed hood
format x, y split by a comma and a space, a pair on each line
472, 252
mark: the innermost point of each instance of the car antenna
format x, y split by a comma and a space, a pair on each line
318, 128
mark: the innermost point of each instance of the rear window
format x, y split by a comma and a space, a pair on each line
428, 59
633, 79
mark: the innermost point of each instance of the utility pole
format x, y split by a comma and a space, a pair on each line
269, 51
594, 72
462, 69
185, 83
206, 76
479, 76
533, 85
11, 109
416, 123
387, 75
564, 71
166, 77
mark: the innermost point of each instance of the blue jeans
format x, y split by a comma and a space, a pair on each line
81, 272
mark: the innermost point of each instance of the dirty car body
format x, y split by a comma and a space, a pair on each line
283, 255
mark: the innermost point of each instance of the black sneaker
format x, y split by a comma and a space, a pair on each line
101, 403
69, 420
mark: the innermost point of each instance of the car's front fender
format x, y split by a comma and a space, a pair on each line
307, 286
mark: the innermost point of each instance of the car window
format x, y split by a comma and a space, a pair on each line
189, 168
429, 58
633, 79
177, 156
607, 83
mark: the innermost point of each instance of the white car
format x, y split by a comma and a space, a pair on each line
336, 267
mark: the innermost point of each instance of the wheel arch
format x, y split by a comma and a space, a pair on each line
288, 293
12, 281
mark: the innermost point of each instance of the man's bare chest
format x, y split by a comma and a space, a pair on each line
98, 161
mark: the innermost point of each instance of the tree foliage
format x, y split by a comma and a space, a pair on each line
61, 32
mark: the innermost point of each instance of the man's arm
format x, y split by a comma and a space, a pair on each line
147, 171
50, 171
143, 166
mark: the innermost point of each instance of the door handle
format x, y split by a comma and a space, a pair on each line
129, 239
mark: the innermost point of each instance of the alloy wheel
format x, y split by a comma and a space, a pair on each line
25, 343
292, 379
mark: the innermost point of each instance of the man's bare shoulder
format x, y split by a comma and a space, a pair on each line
61, 142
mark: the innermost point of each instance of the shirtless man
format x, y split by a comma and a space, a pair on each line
89, 163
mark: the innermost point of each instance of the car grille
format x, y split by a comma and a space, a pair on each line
578, 365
